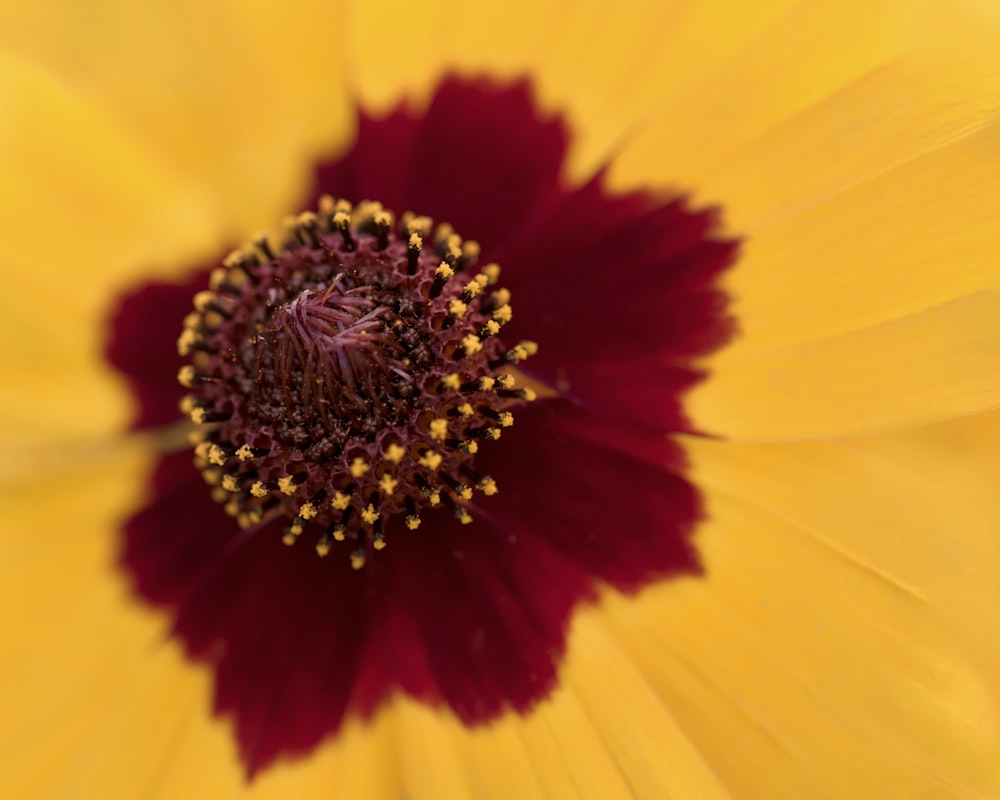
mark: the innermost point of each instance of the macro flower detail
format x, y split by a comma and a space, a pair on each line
349, 375
372, 381
741, 545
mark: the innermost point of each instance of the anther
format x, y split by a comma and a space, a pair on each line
342, 223
263, 244
414, 245
526, 394
460, 489
441, 276
470, 446
505, 418
460, 512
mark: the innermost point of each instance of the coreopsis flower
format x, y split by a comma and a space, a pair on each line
500, 402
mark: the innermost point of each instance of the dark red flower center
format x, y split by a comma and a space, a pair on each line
344, 380
347, 376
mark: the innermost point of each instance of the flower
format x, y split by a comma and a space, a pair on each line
827, 649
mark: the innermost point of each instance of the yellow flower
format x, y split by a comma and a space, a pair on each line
841, 641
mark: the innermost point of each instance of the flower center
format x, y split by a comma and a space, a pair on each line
346, 377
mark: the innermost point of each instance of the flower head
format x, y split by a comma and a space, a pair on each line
583, 431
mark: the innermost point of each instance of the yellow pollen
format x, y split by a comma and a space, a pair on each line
323, 549
421, 225
340, 501
530, 395
187, 404
506, 381
451, 381
233, 507
307, 511
472, 344
470, 251
466, 410
359, 467
387, 484
412, 522
431, 460
493, 327
471, 447
488, 486
492, 273
203, 300
185, 376
486, 383
341, 219
201, 450
287, 485
217, 455
465, 493
493, 433
379, 543
434, 498
234, 259
244, 453
463, 516
357, 559
506, 419
454, 249
229, 483
444, 272
339, 533
198, 415
472, 288
259, 489
186, 341
370, 515
416, 241
482, 280
529, 346
212, 477
504, 314
517, 353
456, 308
220, 495
439, 429
394, 453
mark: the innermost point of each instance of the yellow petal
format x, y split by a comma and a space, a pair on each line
821, 655
582, 60
84, 205
926, 366
235, 96
98, 702
861, 181
604, 733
